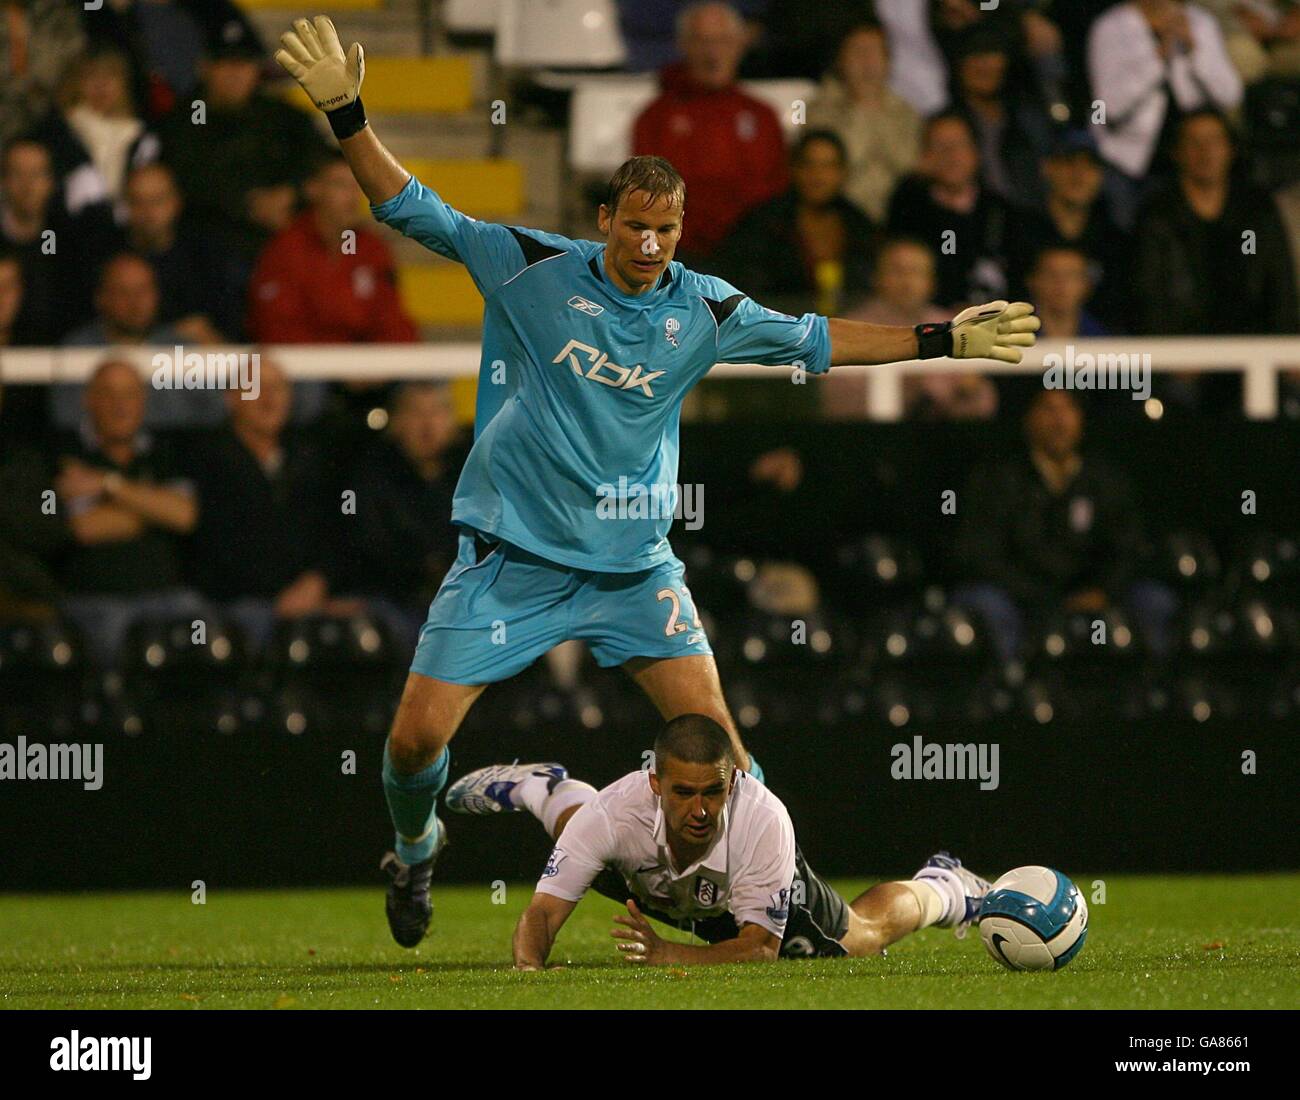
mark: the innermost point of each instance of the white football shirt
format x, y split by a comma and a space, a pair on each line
747, 871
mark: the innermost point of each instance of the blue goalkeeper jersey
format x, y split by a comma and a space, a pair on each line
580, 386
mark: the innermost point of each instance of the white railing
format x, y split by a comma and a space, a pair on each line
1258, 359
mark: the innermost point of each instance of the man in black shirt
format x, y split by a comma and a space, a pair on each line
945, 206
199, 296
1075, 216
268, 525
126, 506
1212, 251
257, 146
59, 253
401, 539
1050, 531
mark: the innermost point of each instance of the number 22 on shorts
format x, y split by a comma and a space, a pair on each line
674, 624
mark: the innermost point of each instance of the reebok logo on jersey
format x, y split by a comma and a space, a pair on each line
580, 303
604, 371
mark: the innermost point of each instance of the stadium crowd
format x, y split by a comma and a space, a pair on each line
1103, 160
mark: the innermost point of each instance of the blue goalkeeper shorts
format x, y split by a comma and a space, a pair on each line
500, 608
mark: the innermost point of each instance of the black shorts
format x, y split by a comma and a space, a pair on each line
819, 917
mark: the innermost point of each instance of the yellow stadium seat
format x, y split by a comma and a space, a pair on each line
464, 393
488, 188
440, 294
409, 85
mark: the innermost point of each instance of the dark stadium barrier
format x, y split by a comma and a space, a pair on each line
1089, 798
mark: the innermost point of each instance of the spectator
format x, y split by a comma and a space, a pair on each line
1027, 31
1149, 62
944, 205
127, 313
1013, 132
880, 130
903, 294
199, 291
955, 21
402, 539
126, 506
1261, 36
37, 40
811, 249
325, 279
903, 286
199, 296
126, 306
1053, 531
1059, 285
30, 536
726, 144
95, 138
260, 145
648, 30
35, 228
918, 70
1212, 251
1076, 215
266, 532
164, 40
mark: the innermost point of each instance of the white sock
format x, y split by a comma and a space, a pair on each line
567, 794
949, 887
531, 793
932, 900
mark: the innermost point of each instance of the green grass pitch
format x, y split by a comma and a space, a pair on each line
1178, 942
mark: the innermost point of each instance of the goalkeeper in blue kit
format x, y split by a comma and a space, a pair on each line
589, 350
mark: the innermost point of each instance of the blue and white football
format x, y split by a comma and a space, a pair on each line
1034, 918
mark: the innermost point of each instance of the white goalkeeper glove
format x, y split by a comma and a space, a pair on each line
313, 56
997, 330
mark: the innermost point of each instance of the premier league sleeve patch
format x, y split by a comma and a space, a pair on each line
779, 911
553, 862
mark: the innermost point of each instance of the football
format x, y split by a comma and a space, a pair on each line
1034, 918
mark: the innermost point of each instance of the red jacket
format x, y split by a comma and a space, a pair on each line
305, 292
727, 145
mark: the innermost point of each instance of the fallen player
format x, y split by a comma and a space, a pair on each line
701, 845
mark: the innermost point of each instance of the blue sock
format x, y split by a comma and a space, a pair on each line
411, 803
755, 770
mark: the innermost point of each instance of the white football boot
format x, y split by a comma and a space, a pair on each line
964, 890
489, 790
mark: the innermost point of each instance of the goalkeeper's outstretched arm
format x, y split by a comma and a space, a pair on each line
997, 330
313, 56
375, 168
